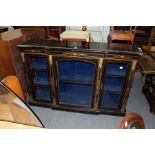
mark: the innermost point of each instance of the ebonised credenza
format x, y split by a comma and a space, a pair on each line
94, 80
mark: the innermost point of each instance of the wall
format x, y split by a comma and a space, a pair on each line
98, 33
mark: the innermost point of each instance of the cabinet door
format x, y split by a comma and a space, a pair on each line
114, 79
76, 81
39, 77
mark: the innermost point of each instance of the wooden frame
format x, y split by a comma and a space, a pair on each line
121, 106
132, 120
82, 59
31, 85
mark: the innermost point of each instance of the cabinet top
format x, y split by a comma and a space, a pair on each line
55, 45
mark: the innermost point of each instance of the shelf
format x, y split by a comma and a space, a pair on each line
113, 92
76, 77
110, 100
75, 94
113, 84
41, 78
76, 82
114, 76
116, 69
38, 63
41, 81
43, 93
38, 66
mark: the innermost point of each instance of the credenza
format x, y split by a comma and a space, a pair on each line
94, 80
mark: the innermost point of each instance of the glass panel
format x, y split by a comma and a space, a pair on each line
76, 71
75, 94
40, 77
38, 63
13, 110
116, 68
113, 84
43, 93
110, 100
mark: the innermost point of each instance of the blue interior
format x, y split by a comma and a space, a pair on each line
41, 78
72, 70
43, 93
110, 100
38, 63
113, 84
75, 94
116, 68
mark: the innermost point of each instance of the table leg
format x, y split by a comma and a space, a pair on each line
85, 44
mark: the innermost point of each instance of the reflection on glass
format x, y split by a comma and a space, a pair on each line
12, 109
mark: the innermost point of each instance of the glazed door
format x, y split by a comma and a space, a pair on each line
114, 80
76, 80
39, 78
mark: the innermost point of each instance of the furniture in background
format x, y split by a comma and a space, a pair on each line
124, 37
53, 32
150, 47
82, 36
98, 33
121, 37
90, 80
3, 29
132, 121
143, 35
10, 58
14, 113
147, 67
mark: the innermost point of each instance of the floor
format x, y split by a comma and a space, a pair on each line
55, 119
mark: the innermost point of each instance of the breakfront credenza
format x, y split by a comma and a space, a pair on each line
92, 80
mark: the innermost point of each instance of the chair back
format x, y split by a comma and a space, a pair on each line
132, 121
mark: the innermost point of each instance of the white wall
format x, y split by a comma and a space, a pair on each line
98, 33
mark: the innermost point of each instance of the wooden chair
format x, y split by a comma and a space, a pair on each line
121, 39
132, 121
13, 83
150, 47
